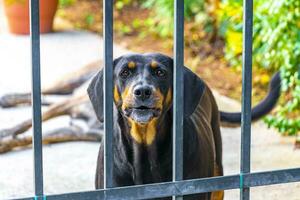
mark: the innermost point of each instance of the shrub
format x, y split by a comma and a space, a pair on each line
66, 3
276, 46
193, 9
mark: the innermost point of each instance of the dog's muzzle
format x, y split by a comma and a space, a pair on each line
142, 114
144, 107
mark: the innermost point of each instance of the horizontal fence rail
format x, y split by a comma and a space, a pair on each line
184, 187
178, 187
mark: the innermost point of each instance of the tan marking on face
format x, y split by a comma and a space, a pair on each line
126, 97
131, 65
159, 99
154, 64
117, 97
143, 133
169, 97
135, 131
151, 132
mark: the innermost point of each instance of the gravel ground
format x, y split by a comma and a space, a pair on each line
70, 167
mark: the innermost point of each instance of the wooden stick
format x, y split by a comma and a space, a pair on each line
67, 134
62, 108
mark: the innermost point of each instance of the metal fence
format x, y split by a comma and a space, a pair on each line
178, 187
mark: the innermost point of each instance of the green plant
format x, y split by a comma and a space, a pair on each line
119, 4
89, 19
276, 46
163, 14
65, 3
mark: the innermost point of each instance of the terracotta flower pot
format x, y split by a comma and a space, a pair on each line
17, 12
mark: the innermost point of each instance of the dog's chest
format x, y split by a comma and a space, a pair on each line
156, 168
144, 166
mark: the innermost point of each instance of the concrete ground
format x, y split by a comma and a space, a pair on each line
70, 167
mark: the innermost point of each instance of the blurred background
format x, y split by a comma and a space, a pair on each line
213, 41
71, 41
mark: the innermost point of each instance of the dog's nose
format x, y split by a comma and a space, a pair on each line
142, 92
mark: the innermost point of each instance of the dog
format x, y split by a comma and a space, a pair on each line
143, 91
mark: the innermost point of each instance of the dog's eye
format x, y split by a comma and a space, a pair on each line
160, 73
125, 73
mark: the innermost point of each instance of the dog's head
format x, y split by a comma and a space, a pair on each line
142, 87
143, 92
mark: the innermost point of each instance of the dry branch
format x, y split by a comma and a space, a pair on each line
55, 110
11, 100
76, 106
67, 134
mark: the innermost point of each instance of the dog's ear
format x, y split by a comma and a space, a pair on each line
95, 92
193, 91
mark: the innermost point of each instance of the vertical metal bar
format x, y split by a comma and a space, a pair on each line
108, 91
36, 97
178, 91
246, 96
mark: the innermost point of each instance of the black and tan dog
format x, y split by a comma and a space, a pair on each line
143, 123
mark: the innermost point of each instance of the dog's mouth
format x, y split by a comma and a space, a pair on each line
142, 114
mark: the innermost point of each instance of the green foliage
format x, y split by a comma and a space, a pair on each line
123, 28
127, 27
276, 46
90, 19
164, 11
120, 4
65, 3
